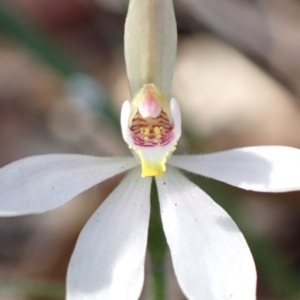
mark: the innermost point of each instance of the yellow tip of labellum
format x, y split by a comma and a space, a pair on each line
150, 168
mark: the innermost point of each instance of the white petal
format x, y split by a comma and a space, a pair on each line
108, 261
264, 168
40, 183
210, 255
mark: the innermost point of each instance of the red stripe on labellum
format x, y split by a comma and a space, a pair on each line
150, 132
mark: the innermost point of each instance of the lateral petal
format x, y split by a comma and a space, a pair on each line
211, 258
108, 260
262, 169
40, 183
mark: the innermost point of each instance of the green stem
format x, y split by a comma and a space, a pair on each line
157, 248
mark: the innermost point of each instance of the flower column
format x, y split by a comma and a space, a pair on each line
151, 122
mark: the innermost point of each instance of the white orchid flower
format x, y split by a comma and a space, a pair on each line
210, 255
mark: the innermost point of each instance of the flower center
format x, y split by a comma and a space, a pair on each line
150, 132
151, 126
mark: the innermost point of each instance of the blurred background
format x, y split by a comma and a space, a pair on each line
63, 80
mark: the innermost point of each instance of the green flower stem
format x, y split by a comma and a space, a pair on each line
157, 246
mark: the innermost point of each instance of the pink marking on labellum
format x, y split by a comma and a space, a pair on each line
151, 132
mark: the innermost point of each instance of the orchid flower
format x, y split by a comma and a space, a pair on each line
210, 256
